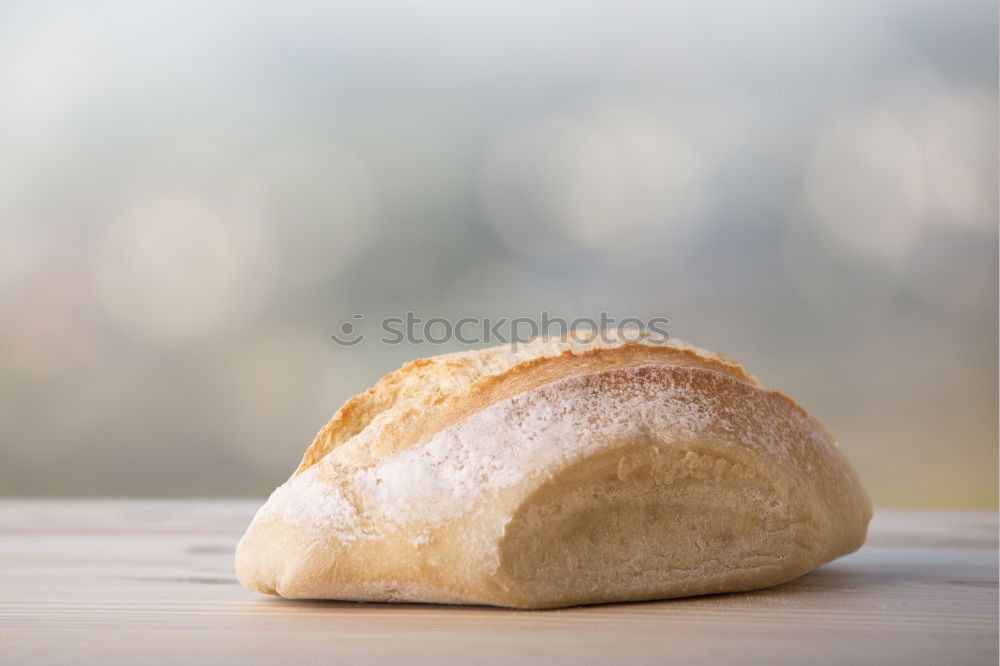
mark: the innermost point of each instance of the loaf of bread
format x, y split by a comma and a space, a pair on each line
558, 474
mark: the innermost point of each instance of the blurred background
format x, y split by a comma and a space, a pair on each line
195, 195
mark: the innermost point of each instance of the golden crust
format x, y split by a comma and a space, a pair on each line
558, 475
429, 394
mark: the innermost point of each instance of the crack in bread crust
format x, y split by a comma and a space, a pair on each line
427, 395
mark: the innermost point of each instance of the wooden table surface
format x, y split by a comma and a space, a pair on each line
149, 582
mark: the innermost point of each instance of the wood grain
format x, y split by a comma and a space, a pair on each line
139, 581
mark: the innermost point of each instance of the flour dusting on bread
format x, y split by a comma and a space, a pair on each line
503, 444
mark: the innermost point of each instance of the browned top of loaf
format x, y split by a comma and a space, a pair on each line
427, 395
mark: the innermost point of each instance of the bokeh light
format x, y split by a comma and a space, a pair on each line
173, 268
609, 177
923, 157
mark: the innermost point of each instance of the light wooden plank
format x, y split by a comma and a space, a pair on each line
122, 581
